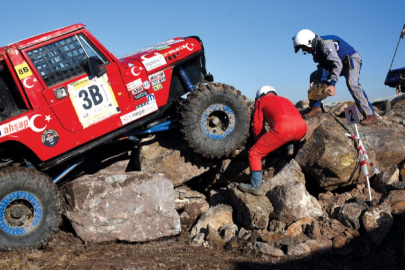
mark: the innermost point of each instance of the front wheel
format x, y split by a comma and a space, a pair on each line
30, 209
215, 120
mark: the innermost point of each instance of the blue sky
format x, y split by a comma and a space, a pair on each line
248, 43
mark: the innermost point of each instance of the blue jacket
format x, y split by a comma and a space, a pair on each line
331, 52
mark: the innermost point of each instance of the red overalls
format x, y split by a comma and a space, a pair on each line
286, 125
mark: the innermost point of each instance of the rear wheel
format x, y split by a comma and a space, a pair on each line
30, 209
215, 120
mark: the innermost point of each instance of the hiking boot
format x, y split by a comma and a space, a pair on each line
258, 191
368, 120
313, 111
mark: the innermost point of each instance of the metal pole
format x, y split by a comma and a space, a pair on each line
368, 181
65, 172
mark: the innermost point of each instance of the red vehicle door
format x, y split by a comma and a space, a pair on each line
79, 98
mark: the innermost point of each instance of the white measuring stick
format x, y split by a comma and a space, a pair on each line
368, 181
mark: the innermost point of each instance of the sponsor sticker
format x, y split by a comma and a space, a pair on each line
151, 98
157, 78
141, 95
146, 84
138, 113
50, 138
154, 62
24, 123
23, 70
137, 90
134, 84
157, 87
188, 46
14, 126
141, 105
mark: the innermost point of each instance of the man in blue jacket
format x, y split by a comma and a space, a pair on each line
335, 58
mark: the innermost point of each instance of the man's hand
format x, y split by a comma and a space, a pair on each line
312, 83
331, 90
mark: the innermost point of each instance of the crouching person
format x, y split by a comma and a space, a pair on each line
286, 125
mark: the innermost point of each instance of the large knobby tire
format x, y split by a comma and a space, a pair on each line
30, 209
215, 120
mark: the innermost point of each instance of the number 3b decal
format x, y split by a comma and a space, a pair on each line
91, 97
93, 100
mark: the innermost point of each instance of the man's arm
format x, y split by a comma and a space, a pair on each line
257, 121
331, 55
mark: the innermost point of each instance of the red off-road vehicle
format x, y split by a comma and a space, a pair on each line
63, 93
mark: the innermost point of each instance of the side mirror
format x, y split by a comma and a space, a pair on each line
92, 67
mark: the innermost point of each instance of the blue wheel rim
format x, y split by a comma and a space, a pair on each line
32, 211
217, 121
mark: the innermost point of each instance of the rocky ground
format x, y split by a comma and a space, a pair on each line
67, 252
125, 206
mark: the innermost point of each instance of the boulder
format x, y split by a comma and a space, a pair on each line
331, 203
215, 217
292, 201
350, 214
377, 222
276, 226
289, 173
214, 236
198, 240
132, 207
277, 239
168, 153
396, 201
314, 122
296, 228
228, 232
302, 104
332, 159
268, 249
300, 249
185, 196
252, 212
384, 180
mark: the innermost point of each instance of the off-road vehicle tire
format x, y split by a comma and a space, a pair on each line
215, 120
30, 209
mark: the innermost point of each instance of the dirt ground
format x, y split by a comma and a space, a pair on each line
66, 251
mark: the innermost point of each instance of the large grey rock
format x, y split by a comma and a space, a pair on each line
377, 222
268, 249
168, 153
133, 207
350, 214
251, 211
313, 123
300, 249
396, 201
289, 173
292, 201
186, 196
332, 159
214, 217
384, 180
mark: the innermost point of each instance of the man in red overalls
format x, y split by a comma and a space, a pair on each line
286, 125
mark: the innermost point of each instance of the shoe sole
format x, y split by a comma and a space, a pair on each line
256, 193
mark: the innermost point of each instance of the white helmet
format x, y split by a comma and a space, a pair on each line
264, 90
303, 38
